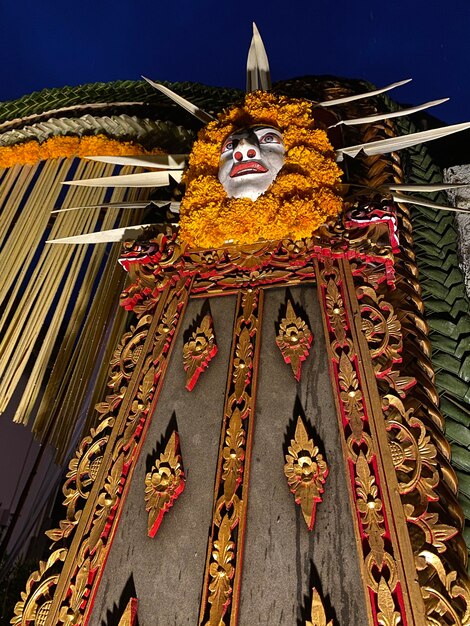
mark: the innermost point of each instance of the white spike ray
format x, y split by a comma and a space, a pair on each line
147, 179
173, 206
398, 197
252, 83
385, 146
404, 187
261, 60
424, 188
360, 96
182, 102
387, 116
105, 236
158, 161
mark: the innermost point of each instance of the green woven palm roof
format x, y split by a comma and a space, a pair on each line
448, 315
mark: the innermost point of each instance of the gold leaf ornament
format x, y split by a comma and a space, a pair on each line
318, 616
306, 472
243, 363
198, 351
387, 616
163, 484
221, 572
129, 616
294, 340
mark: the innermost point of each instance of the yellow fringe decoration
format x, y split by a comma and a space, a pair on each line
303, 196
31, 152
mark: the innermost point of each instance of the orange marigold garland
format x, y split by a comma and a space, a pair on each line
302, 197
31, 152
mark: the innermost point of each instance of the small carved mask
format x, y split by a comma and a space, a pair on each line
250, 160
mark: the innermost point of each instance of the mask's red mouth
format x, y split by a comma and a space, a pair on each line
248, 167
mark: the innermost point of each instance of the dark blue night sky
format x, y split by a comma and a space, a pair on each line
52, 44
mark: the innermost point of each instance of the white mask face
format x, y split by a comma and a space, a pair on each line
250, 160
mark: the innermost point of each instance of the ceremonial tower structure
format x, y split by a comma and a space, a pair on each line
270, 445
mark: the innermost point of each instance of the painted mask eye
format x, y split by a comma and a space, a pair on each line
270, 138
228, 145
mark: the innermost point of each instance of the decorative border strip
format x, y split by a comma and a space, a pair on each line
220, 596
415, 454
152, 262
378, 550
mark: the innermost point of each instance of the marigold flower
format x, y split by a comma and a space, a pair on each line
31, 152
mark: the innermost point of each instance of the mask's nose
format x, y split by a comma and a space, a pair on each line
246, 150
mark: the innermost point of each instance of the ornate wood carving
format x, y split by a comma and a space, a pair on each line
153, 263
415, 451
306, 472
221, 588
129, 617
294, 340
379, 550
99, 474
318, 615
164, 484
412, 554
397, 457
198, 351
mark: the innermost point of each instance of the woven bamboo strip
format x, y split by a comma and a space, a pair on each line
27, 235
73, 381
112, 282
29, 317
8, 185
14, 222
39, 275
73, 397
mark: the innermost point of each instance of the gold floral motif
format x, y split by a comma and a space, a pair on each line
414, 458
433, 533
382, 330
447, 599
129, 617
234, 267
198, 351
318, 616
164, 483
70, 614
233, 456
387, 616
370, 508
375, 548
294, 340
368, 503
306, 472
336, 312
234, 280
221, 572
82, 472
242, 363
35, 601
351, 397
84, 467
